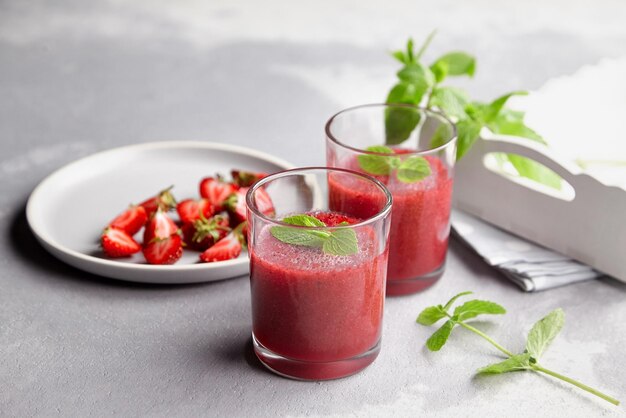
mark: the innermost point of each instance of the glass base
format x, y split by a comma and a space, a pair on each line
418, 284
306, 370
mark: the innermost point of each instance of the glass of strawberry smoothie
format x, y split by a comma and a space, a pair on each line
317, 275
412, 151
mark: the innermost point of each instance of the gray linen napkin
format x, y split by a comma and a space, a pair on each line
530, 266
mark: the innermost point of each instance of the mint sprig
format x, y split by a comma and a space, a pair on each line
337, 241
409, 170
539, 338
421, 85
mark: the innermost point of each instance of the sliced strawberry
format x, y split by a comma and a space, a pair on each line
246, 178
203, 233
333, 218
227, 248
159, 226
236, 204
116, 243
164, 250
216, 191
164, 200
191, 210
131, 220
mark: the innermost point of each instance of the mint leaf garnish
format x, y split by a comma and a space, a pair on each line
543, 333
539, 338
380, 165
514, 363
413, 169
339, 241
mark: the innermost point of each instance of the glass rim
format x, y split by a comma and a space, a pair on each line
332, 138
384, 212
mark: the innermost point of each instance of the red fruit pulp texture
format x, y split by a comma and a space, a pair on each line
309, 306
419, 223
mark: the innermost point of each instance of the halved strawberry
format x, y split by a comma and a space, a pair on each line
227, 248
246, 178
190, 210
117, 243
164, 200
333, 218
164, 250
216, 191
204, 232
159, 226
236, 203
131, 220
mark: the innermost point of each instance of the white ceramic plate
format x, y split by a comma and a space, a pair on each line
69, 209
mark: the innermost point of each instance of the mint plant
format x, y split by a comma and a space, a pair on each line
422, 85
539, 338
383, 163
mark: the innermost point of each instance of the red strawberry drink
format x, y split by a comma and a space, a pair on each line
420, 182
317, 277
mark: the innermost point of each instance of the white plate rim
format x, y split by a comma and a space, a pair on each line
49, 242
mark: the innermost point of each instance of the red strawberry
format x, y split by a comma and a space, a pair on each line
131, 220
236, 203
227, 248
164, 250
191, 210
117, 243
164, 201
203, 233
333, 219
216, 191
246, 178
160, 226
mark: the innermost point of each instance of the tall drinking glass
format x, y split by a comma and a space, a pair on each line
317, 275
412, 151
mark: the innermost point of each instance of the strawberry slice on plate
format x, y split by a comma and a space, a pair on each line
116, 243
164, 250
216, 191
236, 203
160, 226
227, 248
246, 178
131, 220
191, 210
164, 200
204, 232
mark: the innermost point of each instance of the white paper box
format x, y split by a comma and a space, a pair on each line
586, 221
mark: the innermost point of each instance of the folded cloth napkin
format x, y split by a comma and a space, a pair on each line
530, 266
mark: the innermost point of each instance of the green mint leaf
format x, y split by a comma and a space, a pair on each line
458, 63
543, 332
301, 237
399, 123
511, 122
454, 298
442, 135
400, 56
417, 73
439, 337
530, 169
341, 241
303, 220
473, 308
467, 133
413, 169
450, 100
515, 363
407, 93
430, 315
409, 51
440, 70
379, 165
493, 109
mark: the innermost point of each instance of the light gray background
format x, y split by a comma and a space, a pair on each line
77, 77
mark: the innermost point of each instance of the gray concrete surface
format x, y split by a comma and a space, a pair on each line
77, 77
